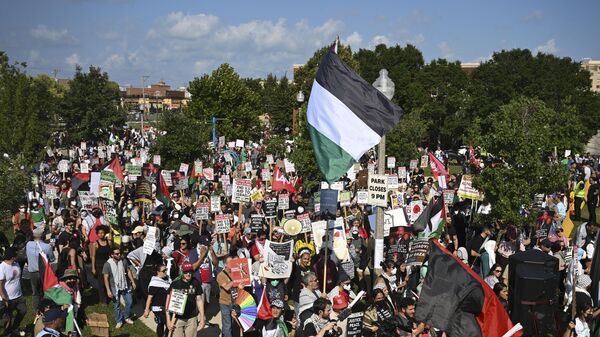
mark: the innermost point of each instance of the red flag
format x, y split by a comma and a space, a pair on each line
115, 167
162, 192
437, 168
78, 180
472, 159
298, 183
49, 278
280, 182
264, 307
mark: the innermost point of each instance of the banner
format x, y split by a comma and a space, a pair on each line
377, 190
466, 189
277, 262
241, 190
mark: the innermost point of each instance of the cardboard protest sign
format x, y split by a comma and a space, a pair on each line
345, 198
289, 166
51, 191
202, 211
134, 170
63, 166
156, 159
270, 209
413, 164
150, 240
277, 262
304, 219
283, 201
392, 182
240, 271
208, 173
256, 222
177, 301
222, 224
183, 167
362, 197
241, 190
391, 162
377, 190
466, 189
215, 203
417, 252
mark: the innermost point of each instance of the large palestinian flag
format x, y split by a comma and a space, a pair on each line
346, 116
431, 222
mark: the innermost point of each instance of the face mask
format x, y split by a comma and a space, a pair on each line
274, 283
175, 216
34, 205
347, 287
129, 206
73, 203
394, 271
22, 209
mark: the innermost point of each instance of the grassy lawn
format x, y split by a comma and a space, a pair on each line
90, 297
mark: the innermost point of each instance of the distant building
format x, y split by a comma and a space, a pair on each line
159, 97
593, 66
468, 68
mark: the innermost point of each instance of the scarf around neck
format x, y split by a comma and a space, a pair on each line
158, 282
317, 321
119, 274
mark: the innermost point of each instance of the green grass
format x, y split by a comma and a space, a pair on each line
91, 298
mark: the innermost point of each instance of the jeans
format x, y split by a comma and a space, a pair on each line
128, 298
226, 319
36, 289
18, 304
161, 321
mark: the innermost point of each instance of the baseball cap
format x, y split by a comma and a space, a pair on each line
339, 302
138, 229
277, 303
54, 314
187, 266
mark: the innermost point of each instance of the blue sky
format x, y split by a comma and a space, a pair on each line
177, 40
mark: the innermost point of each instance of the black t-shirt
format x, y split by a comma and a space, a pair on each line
192, 289
591, 196
64, 238
476, 244
311, 330
159, 296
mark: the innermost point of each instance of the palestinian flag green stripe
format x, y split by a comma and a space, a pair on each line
333, 160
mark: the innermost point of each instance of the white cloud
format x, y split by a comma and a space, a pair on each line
446, 51
202, 67
34, 57
416, 40
379, 39
56, 37
184, 26
549, 47
73, 60
114, 61
534, 16
354, 40
109, 36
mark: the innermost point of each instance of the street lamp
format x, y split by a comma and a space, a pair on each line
385, 85
144, 78
296, 111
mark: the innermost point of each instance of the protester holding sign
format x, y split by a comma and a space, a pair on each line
187, 323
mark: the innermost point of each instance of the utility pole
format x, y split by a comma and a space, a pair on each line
144, 78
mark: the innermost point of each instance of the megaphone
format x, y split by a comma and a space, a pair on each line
292, 227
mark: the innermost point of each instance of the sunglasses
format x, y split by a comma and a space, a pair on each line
498, 270
162, 271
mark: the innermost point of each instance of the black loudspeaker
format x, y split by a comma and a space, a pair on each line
533, 292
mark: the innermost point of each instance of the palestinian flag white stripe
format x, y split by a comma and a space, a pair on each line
354, 136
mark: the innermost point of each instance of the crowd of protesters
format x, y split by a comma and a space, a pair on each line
102, 246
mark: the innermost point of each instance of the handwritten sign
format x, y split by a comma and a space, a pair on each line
150, 240
177, 301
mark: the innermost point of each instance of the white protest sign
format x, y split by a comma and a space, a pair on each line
567, 153
239, 143
177, 301
63, 166
318, 231
84, 167
208, 173
362, 197
221, 141
198, 167
183, 167
241, 190
51, 192
222, 225
166, 174
304, 219
215, 203
401, 172
339, 185
371, 168
156, 159
442, 181
231, 145
265, 175
289, 166
283, 201
391, 162
413, 164
377, 186
270, 159
83, 146
392, 182
248, 166
277, 258
416, 208
202, 210
150, 240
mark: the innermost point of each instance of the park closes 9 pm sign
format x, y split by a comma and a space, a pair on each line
377, 188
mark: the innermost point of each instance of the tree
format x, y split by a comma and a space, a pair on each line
403, 141
14, 182
278, 100
91, 106
523, 136
184, 139
224, 95
28, 107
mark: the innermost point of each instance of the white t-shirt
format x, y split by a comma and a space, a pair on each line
11, 275
582, 329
